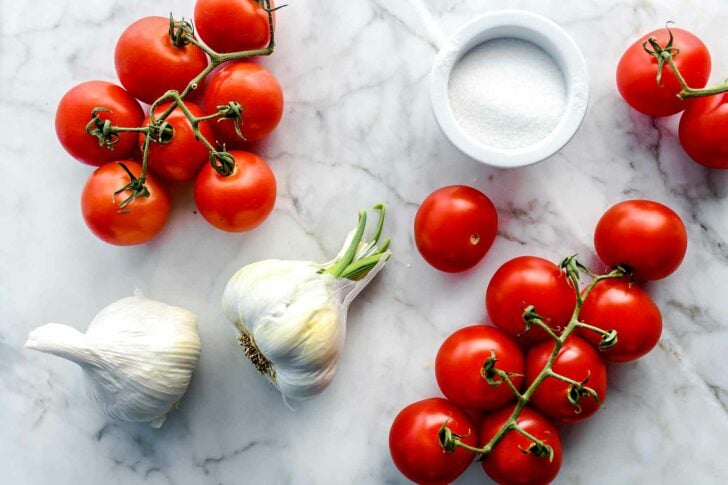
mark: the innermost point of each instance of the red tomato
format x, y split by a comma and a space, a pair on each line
258, 93
74, 113
182, 157
576, 360
637, 73
624, 307
513, 461
240, 201
414, 441
702, 130
454, 228
529, 281
139, 221
646, 236
149, 64
460, 360
232, 25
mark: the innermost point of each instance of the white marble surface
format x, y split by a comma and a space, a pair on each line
357, 130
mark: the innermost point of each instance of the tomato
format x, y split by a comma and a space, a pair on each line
240, 201
702, 130
514, 460
258, 93
74, 113
414, 441
149, 64
646, 236
637, 73
139, 221
616, 304
454, 228
460, 360
232, 25
529, 281
182, 157
576, 360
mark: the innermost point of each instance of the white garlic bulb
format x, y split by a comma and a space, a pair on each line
291, 315
138, 356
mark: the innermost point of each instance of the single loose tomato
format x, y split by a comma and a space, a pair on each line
529, 281
149, 64
637, 73
74, 113
414, 441
454, 228
242, 200
703, 129
182, 156
139, 221
616, 304
515, 460
578, 361
645, 236
459, 367
232, 25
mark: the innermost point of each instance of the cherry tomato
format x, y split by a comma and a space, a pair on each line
460, 361
240, 201
515, 460
258, 93
578, 361
646, 236
139, 221
616, 304
74, 113
183, 156
454, 228
702, 130
637, 73
529, 281
149, 64
414, 441
232, 25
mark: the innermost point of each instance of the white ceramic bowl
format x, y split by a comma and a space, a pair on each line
532, 28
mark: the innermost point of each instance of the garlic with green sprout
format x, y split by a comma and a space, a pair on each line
138, 356
291, 315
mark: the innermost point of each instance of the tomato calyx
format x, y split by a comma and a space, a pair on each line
180, 31
136, 186
489, 372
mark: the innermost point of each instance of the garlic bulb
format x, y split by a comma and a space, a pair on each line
291, 315
138, 356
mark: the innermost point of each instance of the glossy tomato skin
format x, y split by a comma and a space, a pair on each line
181, 158
702, 130
525, 281
257, 91
232, 25
139, 221
241, 201
74, 113
507, 464
637, 73
576, 360
414, 442
148, 63
454, 227
459, 362
646, 236
617, 304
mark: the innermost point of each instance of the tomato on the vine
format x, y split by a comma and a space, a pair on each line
637, 73
459, 365
702, 130
454, 227
232, 25
647, 237
137, 222
149, 64
414, 441
74, 113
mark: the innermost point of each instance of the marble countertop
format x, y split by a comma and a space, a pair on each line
357, 130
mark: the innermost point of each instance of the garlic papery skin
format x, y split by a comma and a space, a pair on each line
138, 356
